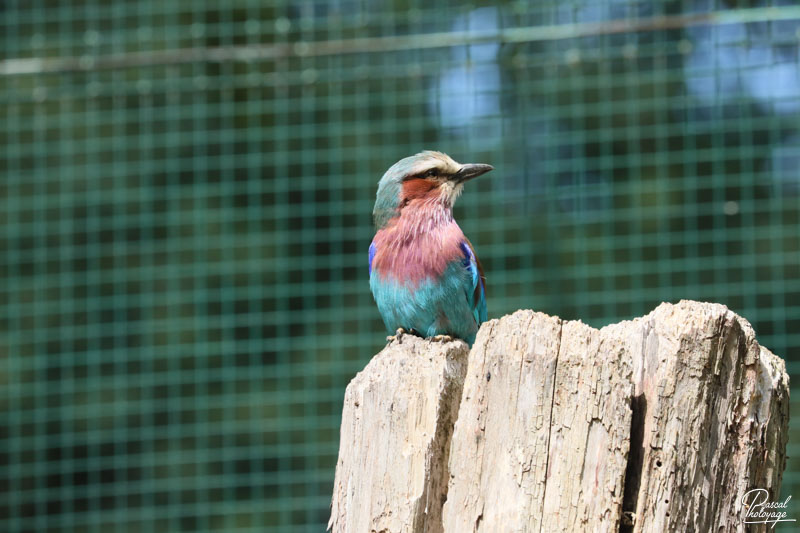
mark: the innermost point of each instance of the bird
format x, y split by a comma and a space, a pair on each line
423, 271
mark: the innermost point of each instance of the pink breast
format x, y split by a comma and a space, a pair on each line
405, 254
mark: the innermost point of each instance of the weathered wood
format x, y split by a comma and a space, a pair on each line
661, 423
543, 444
498, 461
397, 422
710, 418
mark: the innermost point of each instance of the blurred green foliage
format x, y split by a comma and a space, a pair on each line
188, 188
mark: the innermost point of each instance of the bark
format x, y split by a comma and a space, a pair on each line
662, 423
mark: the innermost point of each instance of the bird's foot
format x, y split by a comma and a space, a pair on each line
442, 338
398, 336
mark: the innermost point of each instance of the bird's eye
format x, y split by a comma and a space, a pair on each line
432, 172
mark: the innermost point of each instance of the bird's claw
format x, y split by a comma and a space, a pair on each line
398, 336
442, 338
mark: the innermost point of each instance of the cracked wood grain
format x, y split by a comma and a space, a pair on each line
660, 423
553, 422
498, 462
712, 418
391, 475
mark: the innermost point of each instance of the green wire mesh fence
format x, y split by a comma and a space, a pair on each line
187, 192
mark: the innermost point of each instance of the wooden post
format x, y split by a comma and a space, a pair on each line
395, 439
662, 423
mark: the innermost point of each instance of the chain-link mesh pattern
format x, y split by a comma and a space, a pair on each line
187, 191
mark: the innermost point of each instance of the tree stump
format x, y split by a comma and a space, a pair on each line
662, 423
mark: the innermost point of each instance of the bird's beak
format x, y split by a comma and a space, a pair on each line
467, 172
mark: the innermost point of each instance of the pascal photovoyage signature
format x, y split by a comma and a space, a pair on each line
759, 510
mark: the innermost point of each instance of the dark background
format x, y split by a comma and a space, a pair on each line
187, 191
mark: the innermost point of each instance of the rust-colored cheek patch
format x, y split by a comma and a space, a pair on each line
417, 188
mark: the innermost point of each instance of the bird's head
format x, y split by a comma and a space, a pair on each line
425, 177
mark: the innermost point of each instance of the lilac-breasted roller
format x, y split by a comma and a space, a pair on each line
423, 271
